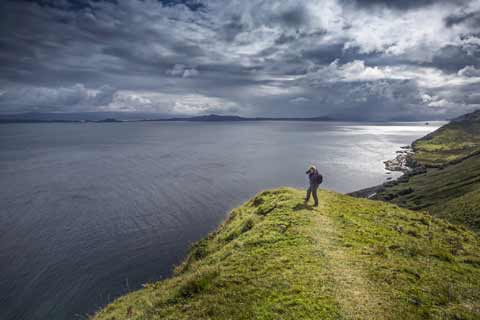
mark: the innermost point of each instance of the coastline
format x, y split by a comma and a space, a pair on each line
403, 162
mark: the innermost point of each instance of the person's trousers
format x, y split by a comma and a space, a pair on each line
312, 190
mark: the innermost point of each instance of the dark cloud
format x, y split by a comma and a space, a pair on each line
325, 54
470, 18
295, 17
453, 58
190, 4
74, 98
251, 57
232, 28
64, 4
83, 4
402, 4
286, 38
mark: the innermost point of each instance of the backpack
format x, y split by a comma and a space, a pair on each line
319, 178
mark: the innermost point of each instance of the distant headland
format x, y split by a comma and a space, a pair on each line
109, 117
131, 117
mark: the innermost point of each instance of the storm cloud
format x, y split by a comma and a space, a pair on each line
361, 59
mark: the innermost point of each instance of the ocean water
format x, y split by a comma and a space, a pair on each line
91, 211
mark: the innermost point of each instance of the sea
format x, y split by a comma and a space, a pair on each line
91, 211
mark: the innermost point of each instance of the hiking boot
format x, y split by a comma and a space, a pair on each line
315, 205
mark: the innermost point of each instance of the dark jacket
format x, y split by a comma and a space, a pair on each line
313, 177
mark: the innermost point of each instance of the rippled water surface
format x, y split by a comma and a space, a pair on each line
90, 211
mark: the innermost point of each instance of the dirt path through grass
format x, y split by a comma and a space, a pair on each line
355, 293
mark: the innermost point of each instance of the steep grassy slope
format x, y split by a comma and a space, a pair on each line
450, 187
463, 209
275, 258
452, 142
452, 192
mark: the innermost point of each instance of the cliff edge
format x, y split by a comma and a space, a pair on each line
276, 258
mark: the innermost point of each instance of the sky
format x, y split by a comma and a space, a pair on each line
357, 59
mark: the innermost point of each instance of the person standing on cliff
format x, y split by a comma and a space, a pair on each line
315, 180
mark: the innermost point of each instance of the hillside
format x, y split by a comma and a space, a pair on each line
275, 258
452, 192
452, 142
449, 186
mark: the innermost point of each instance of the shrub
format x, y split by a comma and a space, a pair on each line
197, 283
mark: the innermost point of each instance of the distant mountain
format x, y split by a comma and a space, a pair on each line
216, 118
210, 117
131, 116
110, 120
469, 117
137, 116
77, 116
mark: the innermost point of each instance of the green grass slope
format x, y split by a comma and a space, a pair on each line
464, 209
452, 192
276, 258
452, 142
450, 187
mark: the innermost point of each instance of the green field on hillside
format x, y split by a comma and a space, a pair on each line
452, 142
277, 258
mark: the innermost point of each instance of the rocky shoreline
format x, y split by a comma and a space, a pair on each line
403, 162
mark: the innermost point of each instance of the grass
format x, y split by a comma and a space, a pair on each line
464, 209
452, 142
452, 192
276, 258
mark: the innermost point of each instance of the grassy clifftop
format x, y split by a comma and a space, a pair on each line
275, 258
450, 186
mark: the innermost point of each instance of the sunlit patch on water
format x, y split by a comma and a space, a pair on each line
386, 129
